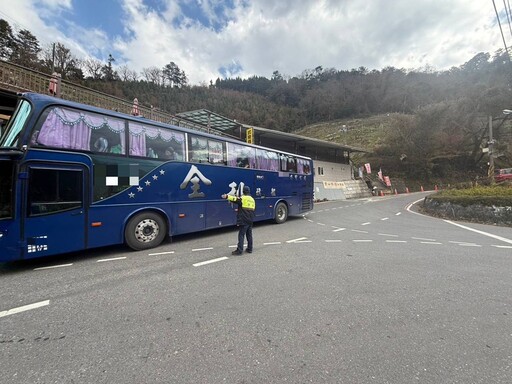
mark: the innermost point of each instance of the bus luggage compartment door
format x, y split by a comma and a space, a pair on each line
55, 210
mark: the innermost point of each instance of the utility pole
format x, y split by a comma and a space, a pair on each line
490, 172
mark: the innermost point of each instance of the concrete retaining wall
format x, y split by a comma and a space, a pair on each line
351, 189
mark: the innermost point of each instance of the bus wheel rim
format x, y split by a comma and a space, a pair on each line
147, 230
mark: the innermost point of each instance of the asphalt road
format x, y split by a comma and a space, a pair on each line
363, 291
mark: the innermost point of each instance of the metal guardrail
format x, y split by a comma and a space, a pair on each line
16, 78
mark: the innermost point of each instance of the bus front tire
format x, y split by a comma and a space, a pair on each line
281, 213
145, 230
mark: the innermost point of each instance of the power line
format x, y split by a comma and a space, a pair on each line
13, 21
501, 29
507, 11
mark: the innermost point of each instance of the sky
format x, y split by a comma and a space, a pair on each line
210, 39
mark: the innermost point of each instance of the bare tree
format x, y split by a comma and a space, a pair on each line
93, 68
153, 75
57, 58
126, 74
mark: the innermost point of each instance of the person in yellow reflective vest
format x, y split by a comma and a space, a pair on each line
244, 219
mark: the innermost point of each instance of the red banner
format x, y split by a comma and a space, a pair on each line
368, 168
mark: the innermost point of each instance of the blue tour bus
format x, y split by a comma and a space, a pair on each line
75, 177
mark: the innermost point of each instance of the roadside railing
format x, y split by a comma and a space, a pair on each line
16, 78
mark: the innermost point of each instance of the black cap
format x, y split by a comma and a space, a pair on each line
246, 190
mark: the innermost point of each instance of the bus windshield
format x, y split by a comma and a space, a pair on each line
12, 133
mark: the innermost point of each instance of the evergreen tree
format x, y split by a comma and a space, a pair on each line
25, 49
6, 40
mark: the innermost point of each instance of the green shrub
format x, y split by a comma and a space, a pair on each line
498, 195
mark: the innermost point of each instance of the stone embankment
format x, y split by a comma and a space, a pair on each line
497, 215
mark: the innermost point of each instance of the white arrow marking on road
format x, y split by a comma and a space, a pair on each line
24, 308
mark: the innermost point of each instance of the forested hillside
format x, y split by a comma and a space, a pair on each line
421, 123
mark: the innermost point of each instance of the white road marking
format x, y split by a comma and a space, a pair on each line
396, 241
112, 259
358, 231
210, 261
201, 249
398, 213
296, 240
480, 232
502, 246
161, 253
320, 223
333, 241
24, 308
469, 245
385, 218
367, 223
430, 242
272, 243
339, 229
53, 266
362, 241
386, 234
421, 238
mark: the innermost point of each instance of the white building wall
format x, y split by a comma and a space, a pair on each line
330, 180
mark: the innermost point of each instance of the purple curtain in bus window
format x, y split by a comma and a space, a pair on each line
64, 129
137, 140
300, 166
252, 158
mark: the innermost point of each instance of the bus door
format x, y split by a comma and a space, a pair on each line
262, 193
54, 214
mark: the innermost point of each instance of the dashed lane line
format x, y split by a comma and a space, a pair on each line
24, 308
111, 259
210, 261
53, 267
296, 240
161, 253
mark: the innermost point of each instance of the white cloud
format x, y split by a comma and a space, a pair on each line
288, 36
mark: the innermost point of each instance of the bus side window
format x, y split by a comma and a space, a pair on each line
53, 190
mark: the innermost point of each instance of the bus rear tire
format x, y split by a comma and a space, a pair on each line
281, 213
144, 231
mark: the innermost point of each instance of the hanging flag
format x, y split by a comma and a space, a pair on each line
380, 174
368, 168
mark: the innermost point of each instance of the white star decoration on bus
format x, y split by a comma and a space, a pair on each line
131, 195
